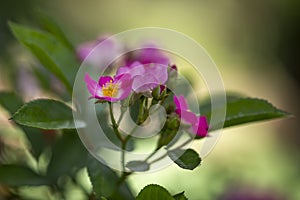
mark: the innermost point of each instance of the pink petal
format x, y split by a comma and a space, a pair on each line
187, 116
123, 70
104, 79
91, 85
201, 127
145, 82
135, 64
160, 72
134, 69
125, 85
152, 54
180, 102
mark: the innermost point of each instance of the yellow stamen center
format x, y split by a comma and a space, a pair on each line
110, 89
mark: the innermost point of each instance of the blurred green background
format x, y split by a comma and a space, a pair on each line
256, 46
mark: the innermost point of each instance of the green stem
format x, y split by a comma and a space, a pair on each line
158, 159
161, 157
140, 119
141, 112
123, 177
152, 154
114, 124
121, 117
124, 173
123, 141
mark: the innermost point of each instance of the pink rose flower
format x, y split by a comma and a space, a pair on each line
145, 77
199, 125
108, 88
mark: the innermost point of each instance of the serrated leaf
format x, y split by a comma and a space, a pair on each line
11, 102
45, 114
244, 110
68, 156
105, 181
186, 159
49, 50
138, 166
17, 175
154, 192
180, 196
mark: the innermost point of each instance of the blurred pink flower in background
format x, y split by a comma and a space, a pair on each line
149, 53
99, 53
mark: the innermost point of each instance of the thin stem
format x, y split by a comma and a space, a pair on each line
161, 157
121, 117
141, 112
116, 130
124, 143
152, 154
163, 100
158, 159
113, 121
124, 173
123, 177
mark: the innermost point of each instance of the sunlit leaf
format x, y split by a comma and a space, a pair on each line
186, 159
154, 192
244, 110
11, 102
45, 114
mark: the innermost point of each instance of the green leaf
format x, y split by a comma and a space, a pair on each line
105, 181
46, 114
154, 192
11, 102
138, 166
244, 110
49, 25
68, 156
49, 50
37, 140
17, 175
180, 196
186, 159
